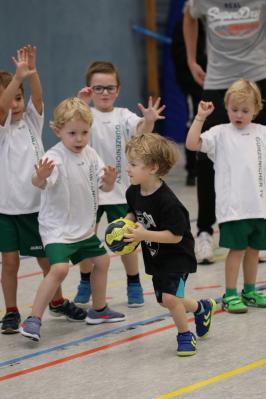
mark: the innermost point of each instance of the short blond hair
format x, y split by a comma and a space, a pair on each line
70, 109
243, 89
152, 148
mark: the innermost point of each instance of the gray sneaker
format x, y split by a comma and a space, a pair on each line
30, 328
106, 316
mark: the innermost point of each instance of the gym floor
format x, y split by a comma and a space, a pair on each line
136, 359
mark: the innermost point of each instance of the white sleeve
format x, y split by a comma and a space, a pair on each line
5, 129
34, 119
209, 142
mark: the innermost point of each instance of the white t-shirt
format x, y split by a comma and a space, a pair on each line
70, 200
110, 132
239, 157
20, 149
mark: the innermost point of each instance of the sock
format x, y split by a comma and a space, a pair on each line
184, 333
200, 308
101, 310
133, 279
230, 292
249, 287
58, 302
85, 276
13, 309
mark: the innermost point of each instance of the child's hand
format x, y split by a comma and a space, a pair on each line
44, 168
136, 234
31, 50
22, 64
153, 111
205, 108
85, 94
109, 175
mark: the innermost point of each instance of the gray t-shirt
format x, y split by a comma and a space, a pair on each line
236, 40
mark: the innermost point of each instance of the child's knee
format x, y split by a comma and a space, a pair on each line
170, 301
59, 271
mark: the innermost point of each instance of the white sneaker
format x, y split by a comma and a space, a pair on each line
262, 256
204, 248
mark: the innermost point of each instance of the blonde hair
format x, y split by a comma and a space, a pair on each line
242, 90
72, 108
153, 148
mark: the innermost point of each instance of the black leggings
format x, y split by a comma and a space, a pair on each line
205, 171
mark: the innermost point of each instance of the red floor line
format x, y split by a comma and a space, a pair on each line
90, 351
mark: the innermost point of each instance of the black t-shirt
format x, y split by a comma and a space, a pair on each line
163, 211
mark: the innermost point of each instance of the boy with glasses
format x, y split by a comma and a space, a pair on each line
111, 129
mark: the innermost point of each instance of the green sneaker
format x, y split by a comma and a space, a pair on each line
234, 304
254, 298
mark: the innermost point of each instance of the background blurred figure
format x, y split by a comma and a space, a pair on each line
236, 48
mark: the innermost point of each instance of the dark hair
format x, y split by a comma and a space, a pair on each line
5, 79
101, 67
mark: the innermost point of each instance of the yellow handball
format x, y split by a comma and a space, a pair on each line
114, 235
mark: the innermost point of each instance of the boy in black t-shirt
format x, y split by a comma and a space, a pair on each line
163, 228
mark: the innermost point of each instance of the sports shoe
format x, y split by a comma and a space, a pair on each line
10, 323
233, 304
254, 298
30, 328
203, 320
69, 310
204, 248
262, 256
106, 316
186, 344
135, 295
82, 297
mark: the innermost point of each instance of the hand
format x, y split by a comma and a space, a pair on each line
197, 73
109, 175
85, 94
136, 234
31, 50
153, 111
44, 168
22, 64
205, 108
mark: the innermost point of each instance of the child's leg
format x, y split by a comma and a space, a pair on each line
134, 289
178, 308
48, 288
232, 303
45, 266
10, 266
100, 312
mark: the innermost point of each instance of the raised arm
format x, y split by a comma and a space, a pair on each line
190, 33
150, 115
193, 141
34, 79
9, 93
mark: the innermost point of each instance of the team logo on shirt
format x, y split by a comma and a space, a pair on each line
147, 221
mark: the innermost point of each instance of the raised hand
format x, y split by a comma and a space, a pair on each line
31, 50
85, 94
153, 112
22, 64
44, 168
205, 108
108, 178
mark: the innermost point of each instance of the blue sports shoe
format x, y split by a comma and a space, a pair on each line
82, 297
30, 328
135, 295
186, 344
203, 319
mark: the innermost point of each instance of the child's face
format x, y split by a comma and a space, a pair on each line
103, 99
240, 113
17, 106
138, 172
74, 135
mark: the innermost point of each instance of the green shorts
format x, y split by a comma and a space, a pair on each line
240, 234
21, 233
76, 252
112, 212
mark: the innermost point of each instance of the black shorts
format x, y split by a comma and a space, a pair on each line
172, 283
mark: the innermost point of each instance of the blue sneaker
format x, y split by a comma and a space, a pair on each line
135, 295
82, 297
106, 316
30, 328
203, 320
186, 344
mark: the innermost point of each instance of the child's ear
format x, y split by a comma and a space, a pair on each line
56, 131
154, 168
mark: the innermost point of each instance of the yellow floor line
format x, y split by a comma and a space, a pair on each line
217, 378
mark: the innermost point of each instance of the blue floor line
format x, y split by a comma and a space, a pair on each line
124, 328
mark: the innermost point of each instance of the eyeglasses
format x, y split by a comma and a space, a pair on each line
100, 89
